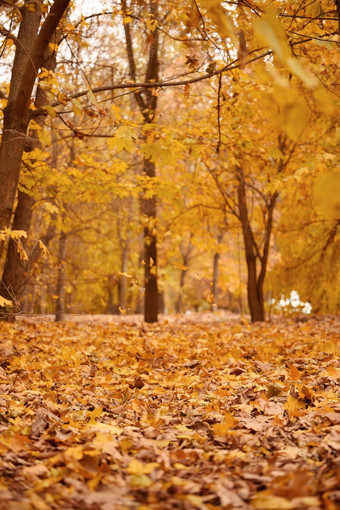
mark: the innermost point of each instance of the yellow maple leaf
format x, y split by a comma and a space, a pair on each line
221, 429
293, 406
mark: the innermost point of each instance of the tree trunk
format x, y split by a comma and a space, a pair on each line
161, 302
214, 289
123, 280
60, 303
216, 260
186, 253
254, 291
112, 307
16, 113
148, 209
16, 122
265, 253
147, 103
15, 270
179, 301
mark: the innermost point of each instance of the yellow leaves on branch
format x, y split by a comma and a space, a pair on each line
219, 17
15, 235
283, 100
123, 139
270, 31
50, 111
12, 234
286, 107
326, 192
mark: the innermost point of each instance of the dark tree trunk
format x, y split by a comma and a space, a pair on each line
337, 3
186, 250
123, 279
214, 286
214, 289
16, 113
253, 255
60, 291
147, 103
178, 307
15, 270
16, 122
254, 291
148, 208
112, 307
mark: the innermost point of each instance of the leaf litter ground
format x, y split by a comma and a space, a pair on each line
198, 413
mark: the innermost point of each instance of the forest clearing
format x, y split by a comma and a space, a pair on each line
207, 412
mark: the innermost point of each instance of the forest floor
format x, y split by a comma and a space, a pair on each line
197, 412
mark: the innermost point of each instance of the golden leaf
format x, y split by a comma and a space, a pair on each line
221, 429
140, 480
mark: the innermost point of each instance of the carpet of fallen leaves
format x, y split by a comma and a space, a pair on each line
186, 414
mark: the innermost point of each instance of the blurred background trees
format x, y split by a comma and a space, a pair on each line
176, 156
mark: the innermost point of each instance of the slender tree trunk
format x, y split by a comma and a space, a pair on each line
254, 291
186, 253
112, 307
265, 253
31, 308
215, 280
216, 274
123, 279
149, 212
179, 301
147, 103
60, 303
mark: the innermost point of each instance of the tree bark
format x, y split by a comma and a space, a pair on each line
15, 270
112, 307
123, 279
179, 301
337, 3
214, 289
216, 260
147, 103
254, 291
60, 303
16, 113
149, 212
186, 253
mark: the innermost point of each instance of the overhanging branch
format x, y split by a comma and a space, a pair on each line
159, 84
